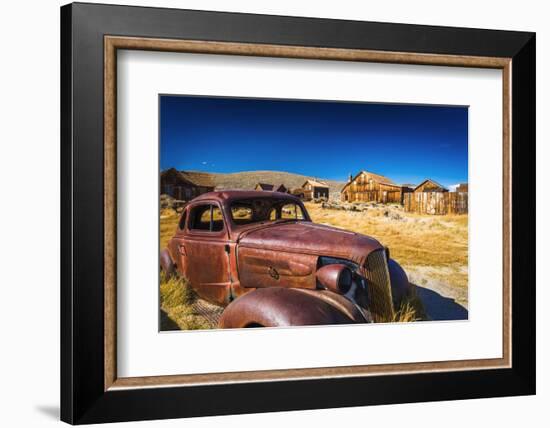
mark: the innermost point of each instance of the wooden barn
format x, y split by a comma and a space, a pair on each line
430, 197
462, 188
439, 203
406, 188
313, 189
369, 187
184, 185
430, 185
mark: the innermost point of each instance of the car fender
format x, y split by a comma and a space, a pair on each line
278, 307
166, 263
400, 285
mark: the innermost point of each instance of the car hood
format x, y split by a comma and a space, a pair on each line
310, 238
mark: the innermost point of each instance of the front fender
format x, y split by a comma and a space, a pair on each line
278, 307
400, 286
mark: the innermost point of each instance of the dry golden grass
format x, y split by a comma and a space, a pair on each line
432, 249
410, 309
168, 223
435, 245
176, 304
406, 313
414, 239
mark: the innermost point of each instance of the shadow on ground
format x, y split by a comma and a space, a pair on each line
440, 308
167, 323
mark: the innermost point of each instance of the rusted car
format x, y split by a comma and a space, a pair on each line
260, 256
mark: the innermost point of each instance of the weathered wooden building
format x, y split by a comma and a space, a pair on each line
299, 192
462, 188
430, 185
437, 203
430, 197
282, 188
271, 188
185, 185
406, 188
369, 187
313, 189
264, 187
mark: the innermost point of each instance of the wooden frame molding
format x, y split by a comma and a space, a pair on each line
113, 43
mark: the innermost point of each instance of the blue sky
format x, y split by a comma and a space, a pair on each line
330, 140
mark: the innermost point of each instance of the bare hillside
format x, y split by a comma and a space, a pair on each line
247, 180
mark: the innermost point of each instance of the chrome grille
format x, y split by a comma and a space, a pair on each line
379, 287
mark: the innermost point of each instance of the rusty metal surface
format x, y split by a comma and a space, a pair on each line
231, 195
379, 293
330, 277
166, 263
239, 260
311, 238
279, 307
400, 285
260, 268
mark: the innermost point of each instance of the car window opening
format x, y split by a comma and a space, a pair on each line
206, 218
261, 210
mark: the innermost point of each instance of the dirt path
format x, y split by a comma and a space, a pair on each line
442, 300
441, 290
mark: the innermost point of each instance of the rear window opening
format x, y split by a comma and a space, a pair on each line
206, 218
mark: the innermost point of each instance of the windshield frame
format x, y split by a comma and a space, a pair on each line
274, 201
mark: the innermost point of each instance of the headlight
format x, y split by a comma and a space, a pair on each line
336, 277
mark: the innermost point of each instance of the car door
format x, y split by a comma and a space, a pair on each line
206, 251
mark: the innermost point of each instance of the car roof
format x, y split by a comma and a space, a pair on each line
231, 195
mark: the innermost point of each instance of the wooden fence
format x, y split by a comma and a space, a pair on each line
438, 203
